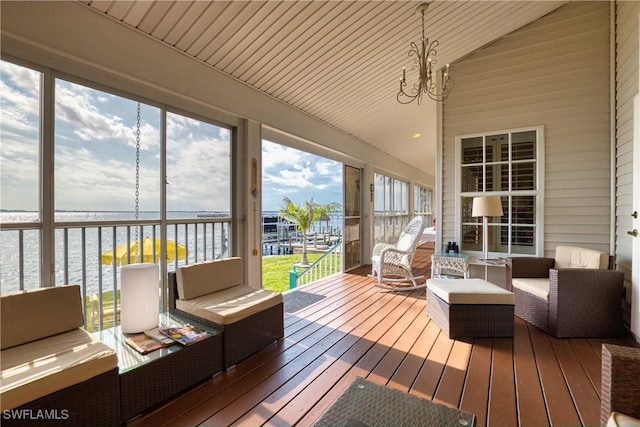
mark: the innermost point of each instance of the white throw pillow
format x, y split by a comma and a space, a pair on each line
621, 420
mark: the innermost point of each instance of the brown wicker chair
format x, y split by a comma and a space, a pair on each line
620, 381
579, 302
242, 338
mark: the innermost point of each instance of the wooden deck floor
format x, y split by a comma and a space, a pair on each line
532, 379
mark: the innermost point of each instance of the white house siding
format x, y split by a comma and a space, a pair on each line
626, 87
553, 72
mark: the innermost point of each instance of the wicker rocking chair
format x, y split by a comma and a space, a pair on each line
392, 263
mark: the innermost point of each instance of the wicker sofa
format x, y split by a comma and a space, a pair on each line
213, 293
620, 386
575, 294
53, 371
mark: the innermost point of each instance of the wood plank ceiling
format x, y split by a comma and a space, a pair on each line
339, 61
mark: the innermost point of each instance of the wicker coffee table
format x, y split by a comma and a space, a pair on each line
365, 403
470, 308
147, 380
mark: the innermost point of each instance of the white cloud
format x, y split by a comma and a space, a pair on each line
84, 110
19, 137
74, 106
198, 165
85, 181
24, 78
95, 158
299, 176
20, 104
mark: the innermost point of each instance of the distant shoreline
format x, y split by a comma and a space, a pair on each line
101, 211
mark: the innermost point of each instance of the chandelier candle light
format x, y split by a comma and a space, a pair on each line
424, 62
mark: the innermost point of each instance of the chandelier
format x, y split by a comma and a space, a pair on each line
424, 61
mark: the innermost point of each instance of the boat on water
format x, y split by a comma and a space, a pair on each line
280, 237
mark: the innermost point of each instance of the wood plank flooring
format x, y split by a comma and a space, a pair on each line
357, 330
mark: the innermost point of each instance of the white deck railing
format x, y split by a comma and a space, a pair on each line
329, 263
78, 250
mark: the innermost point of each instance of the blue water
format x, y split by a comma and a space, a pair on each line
83, 267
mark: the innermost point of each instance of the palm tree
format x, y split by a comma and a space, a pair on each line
304, 216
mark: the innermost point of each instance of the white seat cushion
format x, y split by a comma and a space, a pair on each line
230, 305
402, 263
203, 278
22, 313
621, 420
575, 257
535, 286
405, 242
470, 291
41, 367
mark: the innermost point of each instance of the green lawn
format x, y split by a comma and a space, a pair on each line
107, 309
275, 270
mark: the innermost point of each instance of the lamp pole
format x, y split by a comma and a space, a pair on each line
486, 206
485, 244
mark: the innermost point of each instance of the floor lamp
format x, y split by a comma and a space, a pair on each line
485, 207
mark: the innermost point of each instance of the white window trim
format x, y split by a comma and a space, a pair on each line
540, 173
430, 212
409, 203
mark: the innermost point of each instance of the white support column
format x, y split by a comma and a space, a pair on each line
251, 196
368, 220
47, 205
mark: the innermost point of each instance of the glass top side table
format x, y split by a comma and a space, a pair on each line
451, 262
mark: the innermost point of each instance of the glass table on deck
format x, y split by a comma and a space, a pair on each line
147, 380
456, 265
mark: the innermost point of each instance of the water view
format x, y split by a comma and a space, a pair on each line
89, 235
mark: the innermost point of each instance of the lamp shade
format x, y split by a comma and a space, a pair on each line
487, 206
139, 297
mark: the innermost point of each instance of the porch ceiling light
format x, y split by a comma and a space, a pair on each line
424, 61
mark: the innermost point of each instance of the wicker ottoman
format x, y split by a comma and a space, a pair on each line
470, 308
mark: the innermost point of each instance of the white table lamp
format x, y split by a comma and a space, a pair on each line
486, 206
139, 297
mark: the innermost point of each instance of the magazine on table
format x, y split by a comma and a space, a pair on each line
142, 343
493, 261
155, 334
185, 334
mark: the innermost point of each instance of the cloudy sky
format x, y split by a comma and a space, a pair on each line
95, 155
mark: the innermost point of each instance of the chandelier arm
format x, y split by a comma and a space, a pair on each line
437, 97
424, 60
432, 52
414, 51
409, 98
448, 86
414, 95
